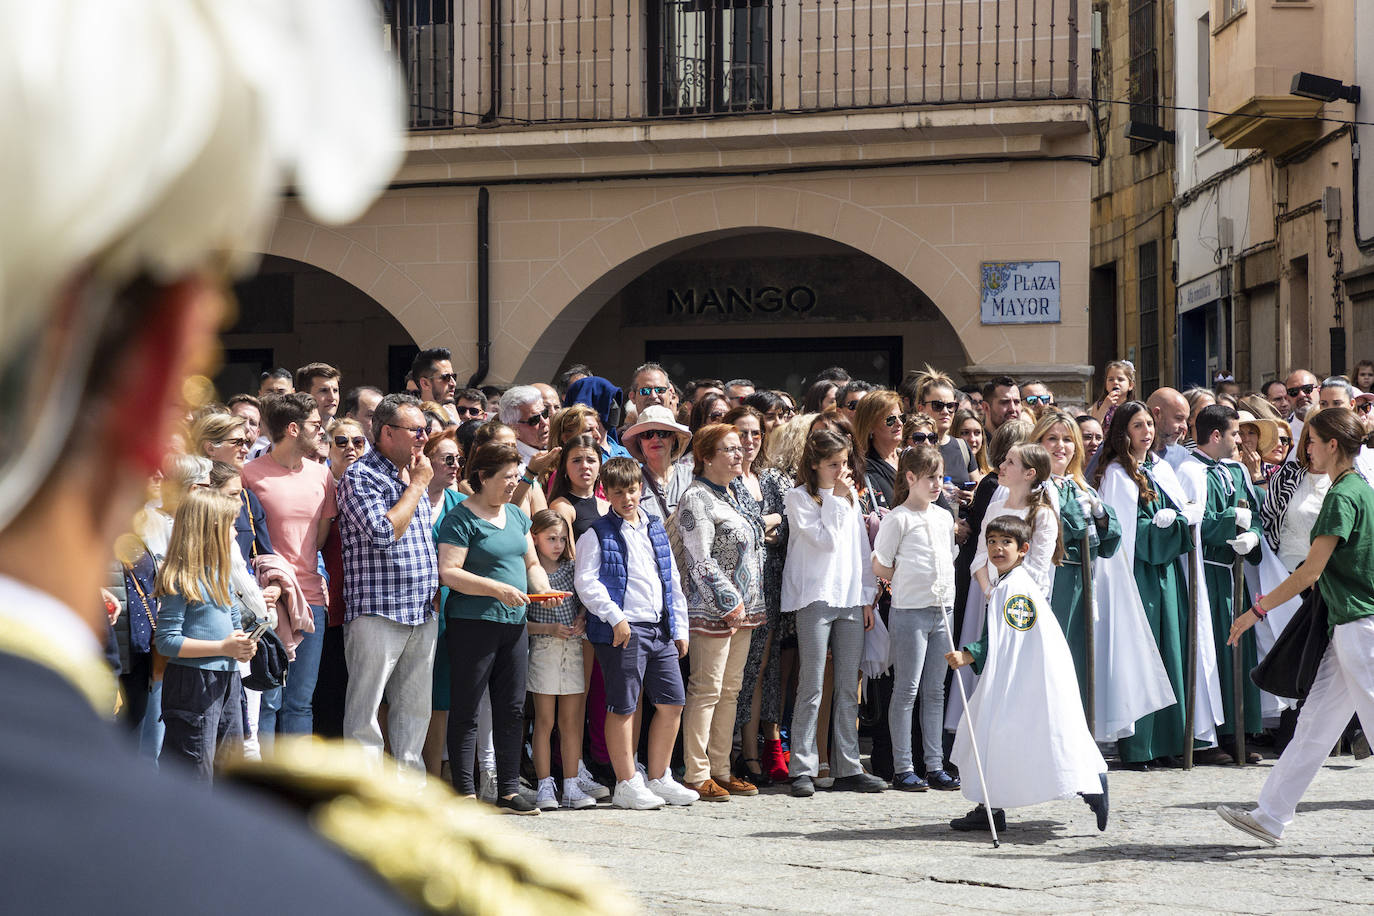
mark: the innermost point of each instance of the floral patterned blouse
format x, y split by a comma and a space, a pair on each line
718, 544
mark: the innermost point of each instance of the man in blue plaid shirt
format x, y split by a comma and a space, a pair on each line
391, 576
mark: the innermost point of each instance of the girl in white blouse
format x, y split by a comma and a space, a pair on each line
914, 550
827, 583
1024, 473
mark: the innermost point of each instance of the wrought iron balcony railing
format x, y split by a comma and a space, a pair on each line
474, 63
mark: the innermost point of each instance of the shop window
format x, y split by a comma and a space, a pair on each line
1148, 311
711, 56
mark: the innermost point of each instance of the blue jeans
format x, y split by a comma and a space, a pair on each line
268, 708
151, 729
298, 693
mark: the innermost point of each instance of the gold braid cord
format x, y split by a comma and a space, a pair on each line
441, 853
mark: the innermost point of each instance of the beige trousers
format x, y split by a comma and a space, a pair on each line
708, 720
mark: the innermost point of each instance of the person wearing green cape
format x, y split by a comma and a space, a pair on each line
1155, 535
1211, 477
1081, 512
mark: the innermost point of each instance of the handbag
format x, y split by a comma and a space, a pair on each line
267, 668
1291, 665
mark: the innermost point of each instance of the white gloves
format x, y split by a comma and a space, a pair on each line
1243, 518
1092, 506
1245, 542
1165, 517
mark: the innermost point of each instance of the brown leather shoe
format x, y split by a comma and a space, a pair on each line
709, 791
735, 786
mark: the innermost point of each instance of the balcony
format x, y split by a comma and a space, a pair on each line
1262, 47
482, 64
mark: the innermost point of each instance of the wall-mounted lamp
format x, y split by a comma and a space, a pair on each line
1322, 88
1148, 133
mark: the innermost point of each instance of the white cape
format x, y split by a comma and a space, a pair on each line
1026, 713
1209, 713
1131, 681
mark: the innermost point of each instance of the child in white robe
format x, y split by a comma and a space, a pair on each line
1026, 714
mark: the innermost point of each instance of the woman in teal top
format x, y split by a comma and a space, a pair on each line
1081, 512
1339, 563
487, 560
447, 460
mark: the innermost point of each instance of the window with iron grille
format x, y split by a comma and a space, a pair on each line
1147, 257
711, 56
1144, 54
420, 33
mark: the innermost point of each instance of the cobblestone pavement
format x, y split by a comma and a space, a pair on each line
1165, 850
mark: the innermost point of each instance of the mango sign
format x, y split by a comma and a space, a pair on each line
1020, 292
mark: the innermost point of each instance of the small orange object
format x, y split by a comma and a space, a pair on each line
549, 596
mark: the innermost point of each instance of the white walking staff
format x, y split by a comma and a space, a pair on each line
972, 733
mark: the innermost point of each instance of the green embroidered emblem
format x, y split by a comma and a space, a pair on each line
1019, 612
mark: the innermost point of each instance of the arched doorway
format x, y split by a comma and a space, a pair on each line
291, 313
776, 306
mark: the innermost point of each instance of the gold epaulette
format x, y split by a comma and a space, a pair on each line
439, 852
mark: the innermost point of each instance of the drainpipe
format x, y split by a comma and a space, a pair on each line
483, 288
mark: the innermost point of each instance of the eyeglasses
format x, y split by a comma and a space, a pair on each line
649, 390
1284, 440
893, 421
942, 406
924, 438
236, 442
730, 450
535, 419
657, 434
464, 411
419, 432
1045, 399
450, 461
850, 405
1364, 406
714, 417
1300, 389
343, 441
447, 377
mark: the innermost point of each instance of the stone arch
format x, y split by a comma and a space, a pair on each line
351, 254
580, 282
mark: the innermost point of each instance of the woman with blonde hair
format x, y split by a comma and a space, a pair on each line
200, 632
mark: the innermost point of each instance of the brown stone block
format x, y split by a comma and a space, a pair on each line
777, 207
657, 224
424, 322
857, 226
389, 210
1057, 222
619, 241
586, 264
291, 238
956, 188
327, 249
440, 207
935, 225
361, 267
535, 240
696, 213
443, 281
456, 241
989, 223
393, 289
884, 190
737, 206
402, 244
817, 214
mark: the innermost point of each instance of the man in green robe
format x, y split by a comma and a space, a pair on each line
1230, 528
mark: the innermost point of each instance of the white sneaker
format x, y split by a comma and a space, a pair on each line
642, 771
547, 797
634, 795
588, 784
486, 786
1245, 821
574, 797
671, 791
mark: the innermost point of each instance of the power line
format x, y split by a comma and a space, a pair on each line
1237, 114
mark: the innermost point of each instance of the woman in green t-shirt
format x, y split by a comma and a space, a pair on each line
487, 560
1339, 563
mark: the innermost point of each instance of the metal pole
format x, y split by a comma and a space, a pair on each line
1237, 653
1089, 633
972, 732
1190, 664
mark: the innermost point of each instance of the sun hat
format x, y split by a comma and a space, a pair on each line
655, 416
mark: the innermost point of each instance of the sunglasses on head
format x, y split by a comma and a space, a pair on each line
450, 461
648, 390
942, 406
343, 441
923, 438
535, 419
1300, 389
1045, 399
658, 434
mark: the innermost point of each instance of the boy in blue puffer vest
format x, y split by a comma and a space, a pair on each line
637, 624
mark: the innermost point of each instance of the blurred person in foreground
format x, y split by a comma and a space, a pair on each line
204, 111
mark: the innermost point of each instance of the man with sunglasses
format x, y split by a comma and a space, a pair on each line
470, 404
1301, 388
522, 408
390, 577
433, 373
298, 498
1037, 397
649, 385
